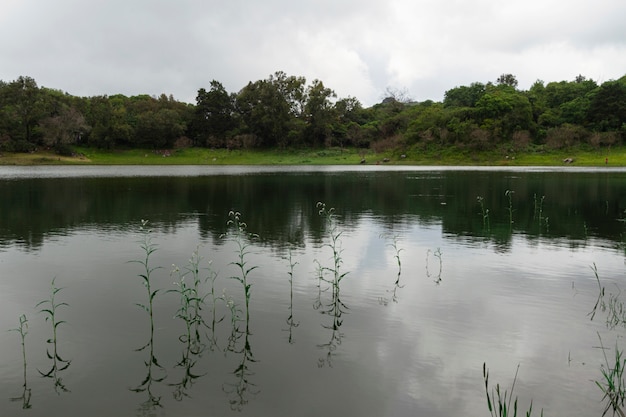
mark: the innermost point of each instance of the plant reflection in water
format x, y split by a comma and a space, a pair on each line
58, 364
396, 284
26, 392
437, 254
291, 322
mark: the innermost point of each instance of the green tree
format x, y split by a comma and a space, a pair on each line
504, 110
22, 107
607, 109
464, 96
265, 112
507, 79
65, 127
319, 114
214, 115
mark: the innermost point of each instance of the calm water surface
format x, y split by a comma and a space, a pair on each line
506, 283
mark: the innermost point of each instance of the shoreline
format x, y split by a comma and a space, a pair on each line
332, 156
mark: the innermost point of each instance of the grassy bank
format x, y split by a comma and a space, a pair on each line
334, 156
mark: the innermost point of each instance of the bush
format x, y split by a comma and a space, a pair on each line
566, 136
64, 150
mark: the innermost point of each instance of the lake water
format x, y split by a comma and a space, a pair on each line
495, 267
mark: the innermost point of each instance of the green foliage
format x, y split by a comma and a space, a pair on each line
50, 307
282, 111
498, 402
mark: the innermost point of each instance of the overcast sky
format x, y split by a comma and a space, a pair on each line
358, 48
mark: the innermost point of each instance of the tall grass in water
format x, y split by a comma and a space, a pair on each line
484, 213
241, 237
148, 247
59, 364
191, 303
613, 385
509, 194
498, 402
22, 329
335, 308
242, 385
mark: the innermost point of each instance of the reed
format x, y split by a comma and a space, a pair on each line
613, 385
498, 402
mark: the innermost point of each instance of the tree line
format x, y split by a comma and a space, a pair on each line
285, 111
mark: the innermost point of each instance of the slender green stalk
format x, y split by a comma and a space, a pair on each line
335, 308
149, 247
58, 363
509, 194
499, 403
241, 238
613, 385
291, 322
26, 392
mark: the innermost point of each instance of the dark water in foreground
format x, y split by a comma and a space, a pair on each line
505, 283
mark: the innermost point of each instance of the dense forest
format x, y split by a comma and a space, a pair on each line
285, 111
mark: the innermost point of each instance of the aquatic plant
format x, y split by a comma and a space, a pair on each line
613, 385
22, 329
509, 194
149, 247
538, 207
334, 235
335, 308
58, 363
241, 237
211, 277
484, 213
614, 307
191, 301
499, 403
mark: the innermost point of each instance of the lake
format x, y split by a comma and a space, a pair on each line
388, 303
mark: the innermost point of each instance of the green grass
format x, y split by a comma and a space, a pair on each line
432, 155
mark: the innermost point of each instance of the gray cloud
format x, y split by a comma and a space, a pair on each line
356, 48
